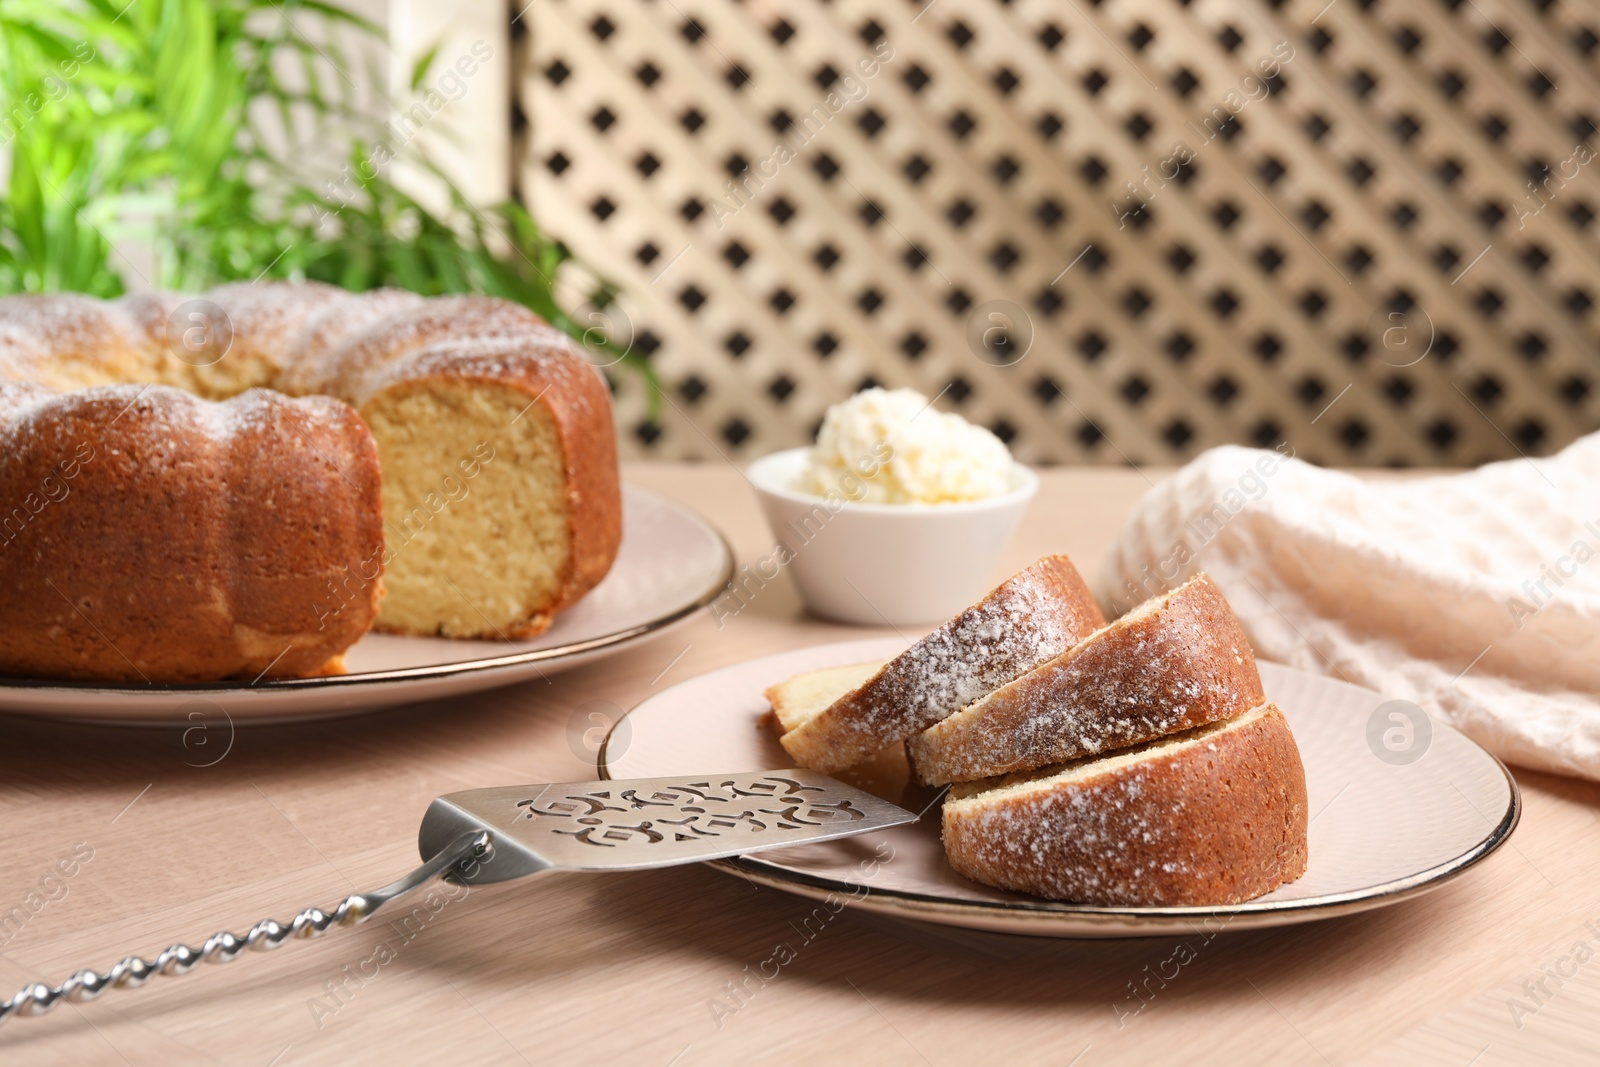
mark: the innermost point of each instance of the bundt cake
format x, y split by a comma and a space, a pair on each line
190, 475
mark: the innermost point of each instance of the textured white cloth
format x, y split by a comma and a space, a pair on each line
1476, 595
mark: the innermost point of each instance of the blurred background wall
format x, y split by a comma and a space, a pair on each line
1113, 232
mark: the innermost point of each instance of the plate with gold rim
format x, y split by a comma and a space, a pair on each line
1388, 822
672, 563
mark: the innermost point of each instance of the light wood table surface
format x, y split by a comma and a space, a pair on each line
624, 968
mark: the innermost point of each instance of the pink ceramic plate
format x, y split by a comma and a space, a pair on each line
671, 564
1385, 826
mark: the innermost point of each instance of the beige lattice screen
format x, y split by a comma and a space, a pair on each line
1365, 227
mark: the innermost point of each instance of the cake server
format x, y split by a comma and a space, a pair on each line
494, 835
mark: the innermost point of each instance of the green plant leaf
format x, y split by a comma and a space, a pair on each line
419, 70
150, 122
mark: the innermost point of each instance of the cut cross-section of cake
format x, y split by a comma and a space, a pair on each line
805, 696
1214, 815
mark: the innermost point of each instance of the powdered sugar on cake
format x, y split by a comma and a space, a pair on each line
1029, 619
1111, 834
1213, 815
1181, 663
1015, 630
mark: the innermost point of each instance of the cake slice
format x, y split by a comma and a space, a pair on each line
1172, 663
1027, 620
806, 696
1214, 815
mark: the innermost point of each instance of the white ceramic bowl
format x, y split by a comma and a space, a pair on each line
885, 564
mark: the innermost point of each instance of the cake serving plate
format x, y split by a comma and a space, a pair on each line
1384, 826
671, 564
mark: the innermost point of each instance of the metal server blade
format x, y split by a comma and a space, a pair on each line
492, 835
650, 822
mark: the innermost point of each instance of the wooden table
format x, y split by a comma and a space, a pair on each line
625, 968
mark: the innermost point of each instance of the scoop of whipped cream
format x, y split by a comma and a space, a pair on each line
885, 446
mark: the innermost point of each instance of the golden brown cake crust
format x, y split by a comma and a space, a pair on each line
1219, 821
1183, 662
67, 339
1030, 618
153, 543
345, 358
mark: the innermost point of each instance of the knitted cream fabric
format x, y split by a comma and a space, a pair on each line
1476, 595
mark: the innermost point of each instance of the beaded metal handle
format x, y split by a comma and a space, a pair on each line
467, 849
